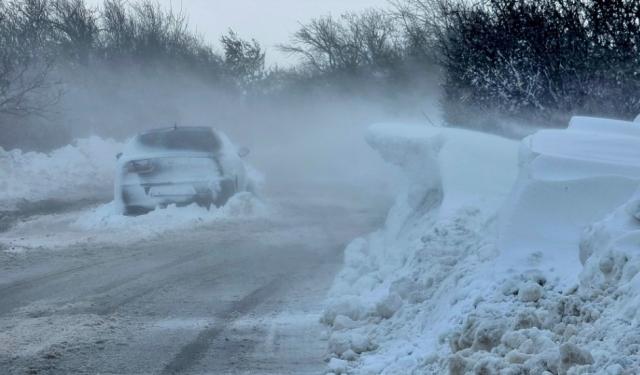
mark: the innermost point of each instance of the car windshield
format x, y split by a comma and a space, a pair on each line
182, 139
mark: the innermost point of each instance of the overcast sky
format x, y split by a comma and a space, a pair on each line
269, 21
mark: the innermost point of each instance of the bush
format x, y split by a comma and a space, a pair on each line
148, 35
540, 60
244, 60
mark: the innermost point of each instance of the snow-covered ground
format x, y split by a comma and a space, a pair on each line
104, 224
238, 293
499, 258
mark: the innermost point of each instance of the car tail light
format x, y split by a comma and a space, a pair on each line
140, 166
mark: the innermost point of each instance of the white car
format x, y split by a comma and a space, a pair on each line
179, 165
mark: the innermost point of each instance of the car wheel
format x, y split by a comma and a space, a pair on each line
227, 190
135, 210
204, 200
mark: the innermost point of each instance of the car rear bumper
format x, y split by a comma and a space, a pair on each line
152, 195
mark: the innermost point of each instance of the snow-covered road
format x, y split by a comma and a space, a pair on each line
232, 297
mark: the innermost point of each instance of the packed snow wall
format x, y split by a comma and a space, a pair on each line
465, 167
567, 180
568, 290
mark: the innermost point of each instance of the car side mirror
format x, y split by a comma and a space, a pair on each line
118, 155
243, 151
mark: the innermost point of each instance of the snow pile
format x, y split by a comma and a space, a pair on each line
548, 313
107, 218
402, 285
447, 287
83, 170
534, 325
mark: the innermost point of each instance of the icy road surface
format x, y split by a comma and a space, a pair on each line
233, 297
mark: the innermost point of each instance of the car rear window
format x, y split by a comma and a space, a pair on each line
182, 139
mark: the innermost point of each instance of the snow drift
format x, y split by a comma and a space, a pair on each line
107, 218
477, 269
82, 170
568, 179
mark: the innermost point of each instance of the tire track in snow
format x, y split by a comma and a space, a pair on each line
13, 291
194, 351
112, 305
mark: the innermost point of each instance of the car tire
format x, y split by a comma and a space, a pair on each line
135, 210
227, 190
205, 200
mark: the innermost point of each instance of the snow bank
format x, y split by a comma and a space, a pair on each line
396, 296
83, 170
450, 160
548, 313
568, 179
533, 324
475, 274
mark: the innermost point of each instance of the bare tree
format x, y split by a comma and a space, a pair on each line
76, 28
353, 44
25, 60
425, 24
118, 29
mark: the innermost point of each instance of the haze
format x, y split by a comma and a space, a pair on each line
419, 187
